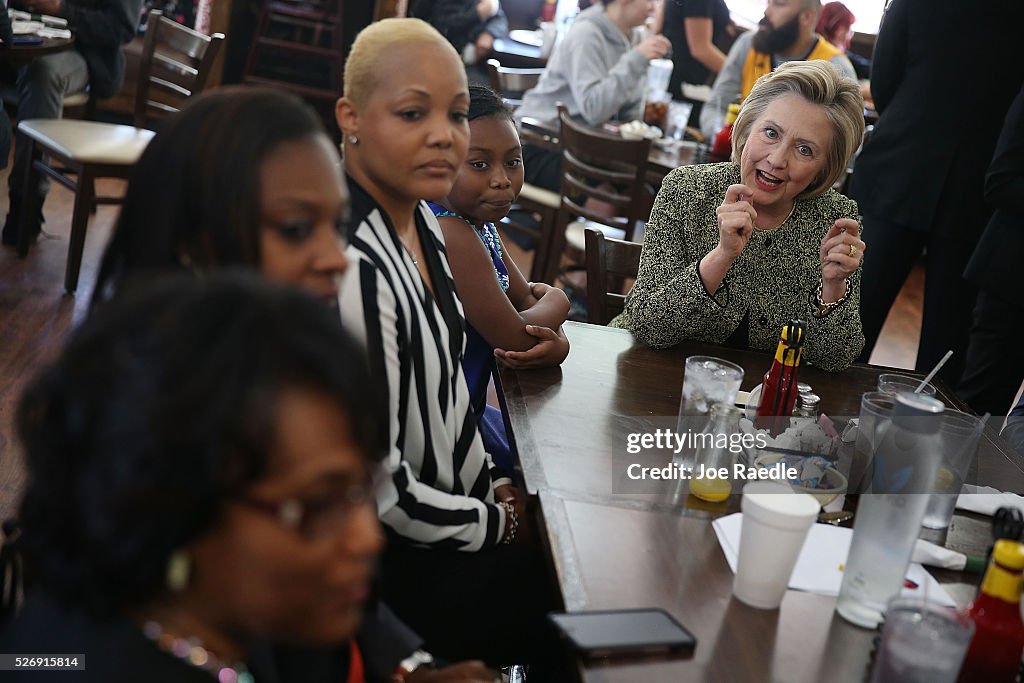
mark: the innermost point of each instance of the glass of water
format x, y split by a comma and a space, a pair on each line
706, 381
922, 642
959, 435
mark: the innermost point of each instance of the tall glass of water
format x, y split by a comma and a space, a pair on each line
902, 475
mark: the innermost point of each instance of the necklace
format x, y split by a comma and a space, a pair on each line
488, 234
780, 223
191, 652
408, 251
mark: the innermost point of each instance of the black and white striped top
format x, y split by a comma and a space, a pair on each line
443, 493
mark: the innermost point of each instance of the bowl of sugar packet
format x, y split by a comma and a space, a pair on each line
815, 475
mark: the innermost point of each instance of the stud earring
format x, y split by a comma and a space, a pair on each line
179, 567
353, 139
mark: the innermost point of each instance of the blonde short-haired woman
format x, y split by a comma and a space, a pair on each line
459, 532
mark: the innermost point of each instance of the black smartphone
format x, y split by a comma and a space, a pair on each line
623, 633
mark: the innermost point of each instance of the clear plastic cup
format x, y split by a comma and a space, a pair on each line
659, 72
875, 415
678, 117
922, 642
775, 525
959, 434
894, 383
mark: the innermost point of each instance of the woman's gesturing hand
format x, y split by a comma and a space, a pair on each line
841, 253
735, 220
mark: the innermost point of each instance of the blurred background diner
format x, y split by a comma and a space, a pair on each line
786, 32
597, 71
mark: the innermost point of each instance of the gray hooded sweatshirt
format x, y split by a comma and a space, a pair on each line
595, 71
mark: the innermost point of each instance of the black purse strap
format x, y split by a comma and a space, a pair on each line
11, 571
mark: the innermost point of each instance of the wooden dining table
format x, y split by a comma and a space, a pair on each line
518, 55
569, 427
19, 54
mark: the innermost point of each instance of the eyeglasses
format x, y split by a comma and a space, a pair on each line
324, 517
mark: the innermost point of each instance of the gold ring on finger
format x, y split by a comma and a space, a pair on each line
853, 251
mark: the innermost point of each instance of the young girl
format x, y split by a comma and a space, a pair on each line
500, 305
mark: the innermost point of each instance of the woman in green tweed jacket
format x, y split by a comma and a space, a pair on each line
734, 250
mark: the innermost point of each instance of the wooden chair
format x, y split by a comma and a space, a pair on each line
175, 65
609, 262
542, 203
298, 47
597, 169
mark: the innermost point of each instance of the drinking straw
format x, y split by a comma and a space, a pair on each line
935, 370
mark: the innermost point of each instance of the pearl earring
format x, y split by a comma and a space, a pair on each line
353, 139
179, 567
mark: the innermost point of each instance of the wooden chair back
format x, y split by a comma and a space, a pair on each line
607, 169
609, 262
176, 63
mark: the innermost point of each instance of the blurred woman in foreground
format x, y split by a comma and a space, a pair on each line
200, 463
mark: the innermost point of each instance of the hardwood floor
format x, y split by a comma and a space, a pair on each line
36, 314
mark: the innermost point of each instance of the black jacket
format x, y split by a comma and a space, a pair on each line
995, 264
101, 28
458, 21
943, 75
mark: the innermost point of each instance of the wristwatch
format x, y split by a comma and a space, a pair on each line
413, 662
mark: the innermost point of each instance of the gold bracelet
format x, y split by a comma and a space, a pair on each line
826, 308
511, 522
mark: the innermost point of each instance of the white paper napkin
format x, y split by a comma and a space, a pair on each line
19, 15
986, 500
818, 569
47, 32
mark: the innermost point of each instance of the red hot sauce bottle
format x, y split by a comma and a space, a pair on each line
995, 651
779, 390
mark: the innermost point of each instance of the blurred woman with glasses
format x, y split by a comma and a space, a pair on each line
200, 465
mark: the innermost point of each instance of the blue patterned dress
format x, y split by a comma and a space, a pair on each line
478, 361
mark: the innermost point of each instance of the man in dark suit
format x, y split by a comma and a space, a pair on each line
943, 75
995, 365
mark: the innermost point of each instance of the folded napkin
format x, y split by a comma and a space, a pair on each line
819, 567
19, 15
47, 32
926, 552
986, 500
